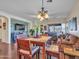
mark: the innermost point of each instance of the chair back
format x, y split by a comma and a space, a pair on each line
38, 36
44, 35
23, 44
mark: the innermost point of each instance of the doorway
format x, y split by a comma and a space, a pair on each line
3, 29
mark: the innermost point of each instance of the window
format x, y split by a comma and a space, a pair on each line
54, 27
72, 24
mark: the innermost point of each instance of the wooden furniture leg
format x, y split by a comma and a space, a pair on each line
43, 53
61, 55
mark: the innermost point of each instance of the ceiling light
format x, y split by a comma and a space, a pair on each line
43, 14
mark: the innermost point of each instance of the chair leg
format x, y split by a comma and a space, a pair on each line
39, 54
25, 57
36, 56
48, 57
19, 56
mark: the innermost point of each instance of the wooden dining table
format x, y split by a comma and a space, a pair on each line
41, 41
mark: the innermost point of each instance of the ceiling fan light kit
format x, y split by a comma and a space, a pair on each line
43, 14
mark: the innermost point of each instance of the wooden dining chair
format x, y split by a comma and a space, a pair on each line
52, 51
24, 49
44, 35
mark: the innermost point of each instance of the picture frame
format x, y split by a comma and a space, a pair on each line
4, 25
19, 27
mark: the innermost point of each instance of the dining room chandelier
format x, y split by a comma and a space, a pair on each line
43, 14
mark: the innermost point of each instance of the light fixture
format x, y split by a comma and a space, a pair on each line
43, 14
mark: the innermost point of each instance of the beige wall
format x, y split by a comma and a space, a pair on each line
75, 12
53, 21
7, 33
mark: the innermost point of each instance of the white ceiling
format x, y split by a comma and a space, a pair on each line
28, 8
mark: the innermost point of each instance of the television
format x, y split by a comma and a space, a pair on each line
19, 27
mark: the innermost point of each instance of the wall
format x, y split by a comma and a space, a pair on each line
54, 21
15, 21
4, 30
75, 13
9, 16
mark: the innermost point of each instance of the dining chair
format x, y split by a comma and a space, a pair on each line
24, 49
38, 36
53, 51
44, 35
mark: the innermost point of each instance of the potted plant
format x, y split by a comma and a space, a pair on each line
31, 32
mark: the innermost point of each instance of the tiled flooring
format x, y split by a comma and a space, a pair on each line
9, 51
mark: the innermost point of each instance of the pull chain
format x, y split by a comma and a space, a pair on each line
42, 4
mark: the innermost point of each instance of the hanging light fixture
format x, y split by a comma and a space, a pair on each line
43, 14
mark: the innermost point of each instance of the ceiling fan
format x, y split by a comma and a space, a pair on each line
51, 16
41, 15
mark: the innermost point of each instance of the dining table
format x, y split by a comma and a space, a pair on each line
41, 41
